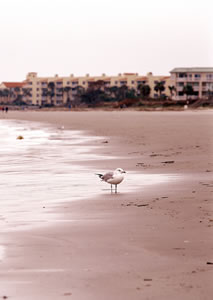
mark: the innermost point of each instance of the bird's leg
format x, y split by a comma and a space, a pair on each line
111, 188
116, 188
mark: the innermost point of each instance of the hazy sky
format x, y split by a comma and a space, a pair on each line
103, 36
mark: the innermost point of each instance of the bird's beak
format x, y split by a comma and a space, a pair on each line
124, 172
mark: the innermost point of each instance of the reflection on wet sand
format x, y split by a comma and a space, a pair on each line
42, 171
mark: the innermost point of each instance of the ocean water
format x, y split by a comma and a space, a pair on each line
45, 169
41, 170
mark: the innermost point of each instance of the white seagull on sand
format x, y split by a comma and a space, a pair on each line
113, 178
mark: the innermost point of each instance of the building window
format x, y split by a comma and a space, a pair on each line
182, 75
68, 82
209, 76
116, 82
133, 82
197, 76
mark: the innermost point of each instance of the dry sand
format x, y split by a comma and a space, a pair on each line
116, 248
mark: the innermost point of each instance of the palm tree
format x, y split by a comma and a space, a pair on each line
67, 90
17, 91
6, 94
172, 89
51, 91
188, 90
113, 92
144, 90
79, 94
27, 93
131, 93
9, 93
159, 87
1, 95
122, 92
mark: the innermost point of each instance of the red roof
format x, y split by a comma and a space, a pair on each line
14, 84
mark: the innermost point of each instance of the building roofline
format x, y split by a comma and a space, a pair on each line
193, 70
13, 84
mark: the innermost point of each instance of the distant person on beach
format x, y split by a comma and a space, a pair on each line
2, 109
6, 109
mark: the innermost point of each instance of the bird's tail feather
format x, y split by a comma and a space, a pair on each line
100, 175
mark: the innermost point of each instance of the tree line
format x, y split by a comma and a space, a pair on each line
96, 93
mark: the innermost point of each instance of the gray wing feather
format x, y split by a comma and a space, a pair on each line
107, 176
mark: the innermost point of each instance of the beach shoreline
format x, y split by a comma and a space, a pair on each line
153, 243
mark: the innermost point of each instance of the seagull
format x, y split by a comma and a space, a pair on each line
113, 178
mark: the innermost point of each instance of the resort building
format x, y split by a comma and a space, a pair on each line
10, 91
59, 90
200, 79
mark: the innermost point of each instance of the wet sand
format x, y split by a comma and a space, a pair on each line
153, 243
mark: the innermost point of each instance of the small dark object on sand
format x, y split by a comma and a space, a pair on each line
209, 263
147, 279
168, 162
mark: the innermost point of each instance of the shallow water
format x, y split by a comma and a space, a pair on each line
41, 171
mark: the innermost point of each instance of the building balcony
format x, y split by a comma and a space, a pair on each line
179, 88
207, 88
188, 79
196, 88
182, 79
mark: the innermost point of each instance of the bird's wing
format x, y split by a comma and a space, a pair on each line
107, 176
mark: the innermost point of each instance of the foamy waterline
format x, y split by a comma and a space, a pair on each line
41, 171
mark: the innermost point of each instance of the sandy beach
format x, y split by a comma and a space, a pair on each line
152, 242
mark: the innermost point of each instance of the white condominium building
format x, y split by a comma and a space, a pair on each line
201, 80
